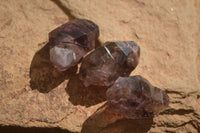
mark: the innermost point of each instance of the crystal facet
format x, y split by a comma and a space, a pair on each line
71, 41
134, 97
104, 65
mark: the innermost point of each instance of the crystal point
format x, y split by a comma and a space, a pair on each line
134, 97
71, 41
104, 65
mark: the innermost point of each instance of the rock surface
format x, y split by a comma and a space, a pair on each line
166, 31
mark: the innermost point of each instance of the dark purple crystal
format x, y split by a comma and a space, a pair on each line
71, 41
104, 65
134, 97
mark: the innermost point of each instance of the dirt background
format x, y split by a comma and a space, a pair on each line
34, 94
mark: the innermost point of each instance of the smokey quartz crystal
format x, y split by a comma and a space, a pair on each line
104, 65
134, 97
71, 41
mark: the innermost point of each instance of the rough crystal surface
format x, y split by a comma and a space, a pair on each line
134, 97
104, 65
71, 41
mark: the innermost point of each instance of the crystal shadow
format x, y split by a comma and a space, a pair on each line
17, 129
106, 120
86, 96
44, 77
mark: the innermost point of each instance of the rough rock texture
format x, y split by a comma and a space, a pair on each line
167, 31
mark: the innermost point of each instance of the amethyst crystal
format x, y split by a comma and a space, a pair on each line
71, 41
104, 65
134, 97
